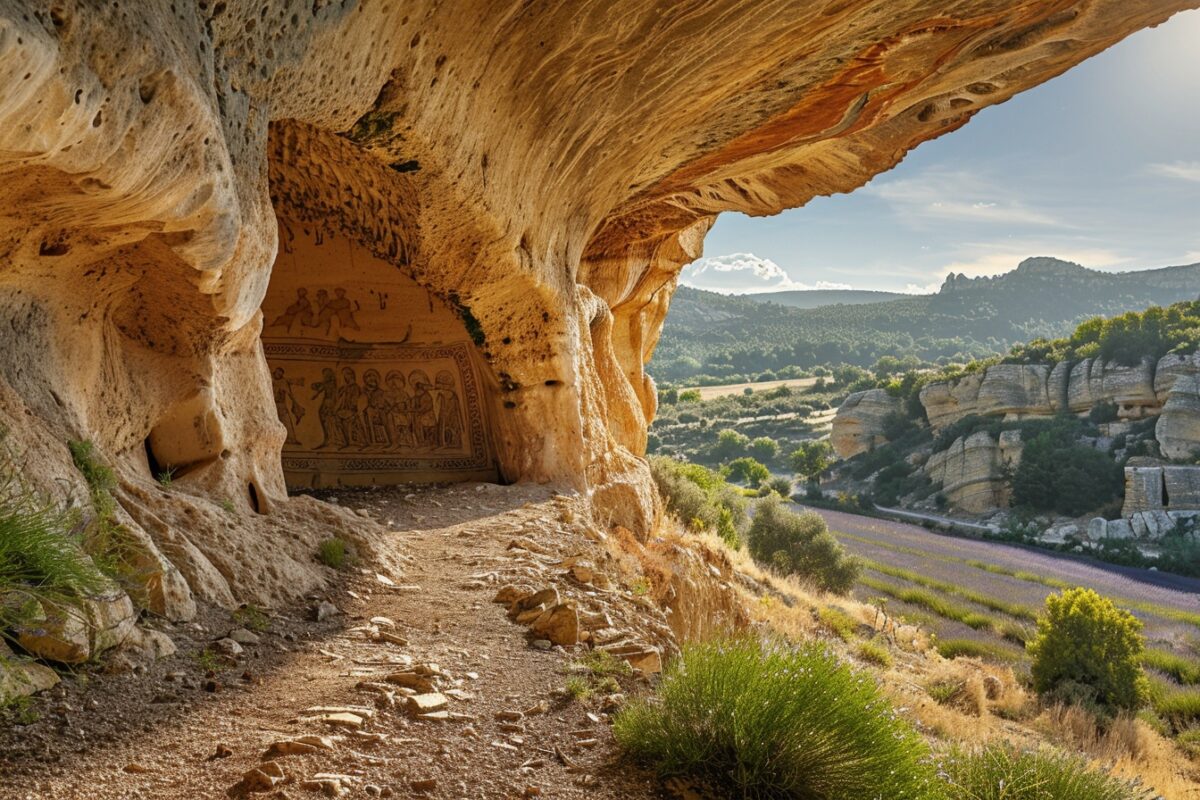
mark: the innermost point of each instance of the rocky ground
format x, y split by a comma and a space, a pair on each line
413, 685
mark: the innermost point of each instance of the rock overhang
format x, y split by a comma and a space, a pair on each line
542, 171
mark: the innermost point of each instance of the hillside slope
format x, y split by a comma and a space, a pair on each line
712, 334
818, 298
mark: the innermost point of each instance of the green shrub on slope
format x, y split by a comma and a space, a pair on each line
769, 721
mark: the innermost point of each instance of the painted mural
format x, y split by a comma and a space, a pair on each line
374, 380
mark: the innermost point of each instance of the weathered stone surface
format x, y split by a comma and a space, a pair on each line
1178, 428
1175, 488
21, 678
972, 471
73, 635
559, 624
858, 425
157, 199
1019, 391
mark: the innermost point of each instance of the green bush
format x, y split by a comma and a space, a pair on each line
800, 544
700, 498
1056, 473
332, 552
1088, 649
746, 470
769, 721
43, 566
1001, 772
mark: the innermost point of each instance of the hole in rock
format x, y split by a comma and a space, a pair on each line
252, 494
55, 249
155, 467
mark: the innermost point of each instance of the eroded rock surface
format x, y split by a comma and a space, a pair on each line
859, 423
540, 173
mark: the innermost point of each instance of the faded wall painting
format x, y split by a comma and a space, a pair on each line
375, 380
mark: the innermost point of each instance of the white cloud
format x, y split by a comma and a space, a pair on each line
1183, 170
955, 195
744, 273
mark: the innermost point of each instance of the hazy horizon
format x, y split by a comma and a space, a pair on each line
1098, 166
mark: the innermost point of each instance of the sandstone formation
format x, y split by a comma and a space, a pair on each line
973, 470
1178, 428
858, 424
489, 201
1169, 389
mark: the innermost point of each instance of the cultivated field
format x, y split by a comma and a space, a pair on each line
709, 392
982, 598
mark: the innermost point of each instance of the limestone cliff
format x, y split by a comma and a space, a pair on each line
1166, 388
973, 471
456, 226
859, 423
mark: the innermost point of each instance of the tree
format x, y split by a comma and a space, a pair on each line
689, 396
730, 444
1087, 648
800, 544
746, 470
811, 458
668, 396
764, 448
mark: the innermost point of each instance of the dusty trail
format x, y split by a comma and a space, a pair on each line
175, 729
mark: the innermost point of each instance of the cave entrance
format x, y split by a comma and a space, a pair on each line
376, 380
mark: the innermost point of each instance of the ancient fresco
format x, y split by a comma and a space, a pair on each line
374, 380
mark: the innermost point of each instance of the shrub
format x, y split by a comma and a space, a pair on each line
764, 448
781, 486
746, 470
700, 498
332, 552
1001, 772
1056, 473
811, 458
800, 544
769, 721
1087, 648
43, 568
730, 444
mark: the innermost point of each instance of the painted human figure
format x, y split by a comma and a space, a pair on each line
376, 418
338, 308
322, 316
289, 409
424, 416
300, 310
327, 390
399, 409
349, 421
449, 412
341, 308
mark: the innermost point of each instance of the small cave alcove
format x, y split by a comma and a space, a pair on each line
376, 380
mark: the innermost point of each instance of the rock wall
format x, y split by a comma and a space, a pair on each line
859, 422
1169, 388
542, 172
973, 471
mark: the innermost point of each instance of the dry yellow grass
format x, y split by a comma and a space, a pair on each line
731, 592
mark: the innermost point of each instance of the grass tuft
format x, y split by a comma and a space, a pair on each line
332, 552
772, 721
874, 652
1001, 772
969, 648
838, 622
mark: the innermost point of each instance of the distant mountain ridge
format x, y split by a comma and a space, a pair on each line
817, 298
718, 335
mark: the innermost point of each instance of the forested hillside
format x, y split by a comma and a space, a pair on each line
816, 298
709, 334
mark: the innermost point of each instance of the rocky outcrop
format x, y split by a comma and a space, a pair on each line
973, 471
1178, 428
1158, 488
859, 423
537, 178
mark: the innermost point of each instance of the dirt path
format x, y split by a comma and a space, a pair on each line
178, 729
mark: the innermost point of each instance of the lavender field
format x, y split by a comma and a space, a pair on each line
988, 592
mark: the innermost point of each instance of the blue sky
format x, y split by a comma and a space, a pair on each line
1100, 166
